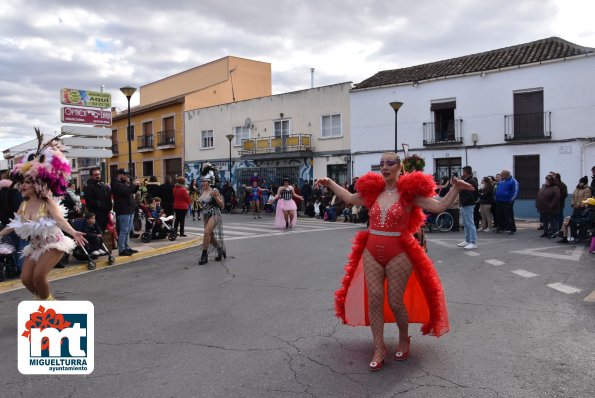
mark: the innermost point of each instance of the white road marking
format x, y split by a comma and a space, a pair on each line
590, 298
575, 254
523, 273
471, 253
495, 262
564, 288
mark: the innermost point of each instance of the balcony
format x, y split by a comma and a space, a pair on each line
277, 147
434, 135
144, 143
528, 126
166, 139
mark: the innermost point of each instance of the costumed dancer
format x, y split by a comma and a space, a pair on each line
388, 257
211, 202
39, 176
286, 213
195, 203
255, 195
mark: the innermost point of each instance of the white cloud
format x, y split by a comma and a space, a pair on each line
45, 46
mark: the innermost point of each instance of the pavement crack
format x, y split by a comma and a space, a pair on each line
228, 272
211, 346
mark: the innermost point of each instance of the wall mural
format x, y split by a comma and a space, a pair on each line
273, 170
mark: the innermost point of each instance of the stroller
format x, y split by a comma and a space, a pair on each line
157, 227
8, 267
82, 254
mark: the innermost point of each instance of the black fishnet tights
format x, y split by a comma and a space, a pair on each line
397, 273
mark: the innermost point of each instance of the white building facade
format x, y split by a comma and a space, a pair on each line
531, 114
304, 135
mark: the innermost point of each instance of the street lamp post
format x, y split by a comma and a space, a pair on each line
128, 92
396, 106
229, 138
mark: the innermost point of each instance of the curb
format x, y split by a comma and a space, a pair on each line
61, 273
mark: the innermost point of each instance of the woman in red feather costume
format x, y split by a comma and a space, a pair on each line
387, 258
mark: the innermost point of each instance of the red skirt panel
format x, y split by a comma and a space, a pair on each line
424, 295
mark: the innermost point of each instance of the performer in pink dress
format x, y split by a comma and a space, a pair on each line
286, 213
389, 277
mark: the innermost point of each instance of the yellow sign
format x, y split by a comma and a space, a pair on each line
95, 99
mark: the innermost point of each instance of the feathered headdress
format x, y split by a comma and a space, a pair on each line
413, 162
209, 173
46, 166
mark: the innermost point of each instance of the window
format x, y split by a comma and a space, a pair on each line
147, 128
528, 114
241, 133
148, 168
131, 132
526, 172
173, 167
113, 169
446, 167
282, 128
331, 126
168, 124
115, 142
444, 120
206, 139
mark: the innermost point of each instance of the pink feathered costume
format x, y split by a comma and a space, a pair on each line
424, 296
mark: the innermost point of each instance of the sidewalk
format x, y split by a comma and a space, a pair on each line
145, 250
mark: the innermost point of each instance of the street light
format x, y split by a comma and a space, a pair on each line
396, 106
229, 138
128, 92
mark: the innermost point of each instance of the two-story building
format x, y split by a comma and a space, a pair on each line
302, 135
526, 108
157, 124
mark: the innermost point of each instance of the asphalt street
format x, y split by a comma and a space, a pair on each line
261, 323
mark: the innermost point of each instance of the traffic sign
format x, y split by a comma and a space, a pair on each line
72, 114
88, 153
87, 142
87, 131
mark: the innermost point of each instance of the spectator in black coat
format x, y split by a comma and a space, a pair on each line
94, 235
152, 188
166, 193
10, 201
124, 205
98, 197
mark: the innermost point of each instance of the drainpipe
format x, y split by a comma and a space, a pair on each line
311, 77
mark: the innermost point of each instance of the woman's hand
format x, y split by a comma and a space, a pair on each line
461, 185
79, 238
214, 193
324, 181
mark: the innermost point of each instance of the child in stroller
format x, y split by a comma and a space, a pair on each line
8, 267
157, 224
95, 246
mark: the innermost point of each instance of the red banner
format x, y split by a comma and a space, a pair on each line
72, 114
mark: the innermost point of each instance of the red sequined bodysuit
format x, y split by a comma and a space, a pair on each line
387, 230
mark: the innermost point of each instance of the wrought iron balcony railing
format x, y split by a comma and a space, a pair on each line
166, 138
144, 142
287, 143
435, 134
528, 126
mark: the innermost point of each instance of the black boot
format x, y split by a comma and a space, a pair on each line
204, 258
219, 254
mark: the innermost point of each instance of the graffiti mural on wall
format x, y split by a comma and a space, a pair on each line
272, 170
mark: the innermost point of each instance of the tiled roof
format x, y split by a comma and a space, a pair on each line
536, 51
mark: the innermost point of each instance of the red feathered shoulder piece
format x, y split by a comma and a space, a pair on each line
369, 186
416, 184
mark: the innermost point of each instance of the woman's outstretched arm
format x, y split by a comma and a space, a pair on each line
342, 193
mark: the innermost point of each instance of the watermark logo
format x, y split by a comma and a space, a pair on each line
56, 337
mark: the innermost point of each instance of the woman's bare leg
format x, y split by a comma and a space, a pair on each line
286, 217
27, 274
291, 215
45, 264
398, 271
375, 274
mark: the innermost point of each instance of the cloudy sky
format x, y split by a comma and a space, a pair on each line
47, 45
